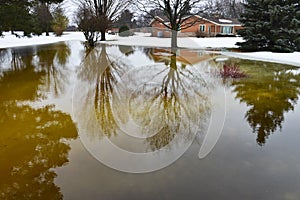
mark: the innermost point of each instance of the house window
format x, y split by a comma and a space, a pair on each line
179, 29
227, 30
202, 28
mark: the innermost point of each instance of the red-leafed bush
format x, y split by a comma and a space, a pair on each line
232, 71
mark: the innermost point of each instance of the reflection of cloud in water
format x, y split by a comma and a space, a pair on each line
138, 118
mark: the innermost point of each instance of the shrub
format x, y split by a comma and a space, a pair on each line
60, 22
231, 71
201, 34
124, 31
225, 35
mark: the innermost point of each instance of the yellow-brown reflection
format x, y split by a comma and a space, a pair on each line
174, 105
270, 91
32, 141
103, 71
52, 60
177, 104
21, 80
31, 146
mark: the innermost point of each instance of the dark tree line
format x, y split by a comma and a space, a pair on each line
30, 16
14, 15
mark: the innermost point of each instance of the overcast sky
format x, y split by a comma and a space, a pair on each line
70, 7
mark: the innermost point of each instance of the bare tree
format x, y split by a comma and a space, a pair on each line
224, 8
178, 12
98, 15
88, 23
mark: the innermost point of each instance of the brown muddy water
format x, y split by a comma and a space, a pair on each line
120, 122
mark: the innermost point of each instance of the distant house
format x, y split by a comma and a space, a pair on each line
203, 27
72, 28
113, 31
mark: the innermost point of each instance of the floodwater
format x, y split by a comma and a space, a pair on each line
120, 122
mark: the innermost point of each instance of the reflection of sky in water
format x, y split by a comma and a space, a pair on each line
152, 111
237, 168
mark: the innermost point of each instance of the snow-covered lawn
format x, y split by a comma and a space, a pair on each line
141, 39
10, 40
284, 58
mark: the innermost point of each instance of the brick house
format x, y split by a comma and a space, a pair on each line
203, 27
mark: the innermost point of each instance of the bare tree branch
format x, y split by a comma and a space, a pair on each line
176, 11
98, 15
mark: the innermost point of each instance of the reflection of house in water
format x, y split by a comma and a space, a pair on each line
184, 56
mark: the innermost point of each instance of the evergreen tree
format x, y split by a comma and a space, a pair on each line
43, 14
272, 25
26, 15
285, 26
15, 15
60, 21
126, 18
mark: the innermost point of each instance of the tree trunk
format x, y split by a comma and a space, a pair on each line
103, 36
174, 42
173, 64
47, 29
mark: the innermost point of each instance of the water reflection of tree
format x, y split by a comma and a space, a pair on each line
31, 147
21, 79
176, 106
103, 71
270, 92
126, 50
17, 58
52, 60
3, 56
31, 140
172, 107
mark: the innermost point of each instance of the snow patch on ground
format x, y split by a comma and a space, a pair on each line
144, 39
283, 58
10, 40
225, 21
139, 39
